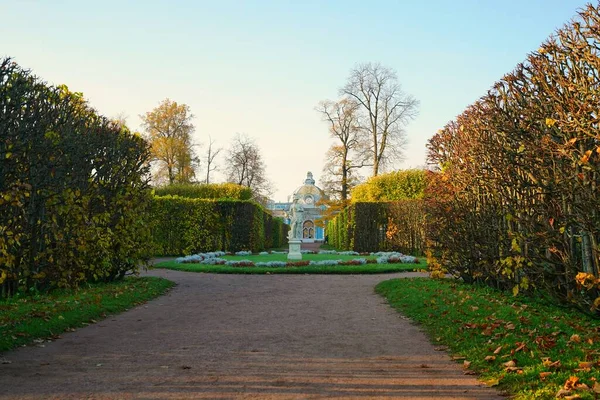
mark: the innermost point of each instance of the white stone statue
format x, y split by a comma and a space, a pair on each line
296, 219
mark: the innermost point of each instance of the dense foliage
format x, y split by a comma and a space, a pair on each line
376, 226
169, 131
72, 188
206, 191
514, 201
185, 226
397, 185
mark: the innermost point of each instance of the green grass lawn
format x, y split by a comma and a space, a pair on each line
305, 257
27, 319
527, 348
334, 269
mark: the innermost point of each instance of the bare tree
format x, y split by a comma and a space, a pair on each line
347, 154
245, 166
211, 154
386, 110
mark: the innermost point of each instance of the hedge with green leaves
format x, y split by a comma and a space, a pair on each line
73, 193
183, 226
379, 226
393, 186
206, 191
513, 198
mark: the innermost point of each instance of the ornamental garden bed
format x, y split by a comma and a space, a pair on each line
324, 262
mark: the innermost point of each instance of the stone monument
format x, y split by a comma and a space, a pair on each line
296, 215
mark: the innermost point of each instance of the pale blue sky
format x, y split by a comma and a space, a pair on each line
260, 67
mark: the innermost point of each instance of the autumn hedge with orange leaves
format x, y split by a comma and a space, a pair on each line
513, 196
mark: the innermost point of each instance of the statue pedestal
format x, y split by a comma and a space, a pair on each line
294, 253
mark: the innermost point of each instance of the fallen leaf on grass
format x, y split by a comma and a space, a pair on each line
586, 365
596, 387
493, 382
510, 364
575, 338
544, 375
570, 383
490, 358
562, 393
514, 369
498, 350
466, 364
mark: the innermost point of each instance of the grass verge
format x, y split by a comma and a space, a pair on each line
27, 319
335, 269
528, 349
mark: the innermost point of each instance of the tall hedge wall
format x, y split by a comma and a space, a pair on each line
206, 191
379, 226
73, 193
392, 186
514, 200
182, 226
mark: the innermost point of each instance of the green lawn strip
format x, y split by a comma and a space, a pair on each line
24, 319
283, 257
478, 322
332, 269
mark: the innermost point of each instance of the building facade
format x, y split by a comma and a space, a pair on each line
308, 196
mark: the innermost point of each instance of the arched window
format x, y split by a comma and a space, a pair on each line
308, 230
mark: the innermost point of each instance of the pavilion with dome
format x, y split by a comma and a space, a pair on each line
308, 195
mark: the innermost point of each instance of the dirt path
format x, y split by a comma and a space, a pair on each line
248, 337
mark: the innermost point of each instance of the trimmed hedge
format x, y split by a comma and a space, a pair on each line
73, 192
380, 226
183, 226
513, 200
393, 186
206, 191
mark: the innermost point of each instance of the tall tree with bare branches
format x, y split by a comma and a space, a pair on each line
385, 109
211, 155
245, 166
347, 154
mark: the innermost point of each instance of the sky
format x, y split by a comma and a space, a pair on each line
261, 67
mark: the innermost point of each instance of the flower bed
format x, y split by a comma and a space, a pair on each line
214, 258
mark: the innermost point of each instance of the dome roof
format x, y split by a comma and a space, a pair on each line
309, 190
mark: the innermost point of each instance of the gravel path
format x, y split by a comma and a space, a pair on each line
245, 337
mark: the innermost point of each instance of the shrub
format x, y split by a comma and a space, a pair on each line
186, 225
373, 226
73, 190
272, 264
393, 186
212, 191
513, 199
